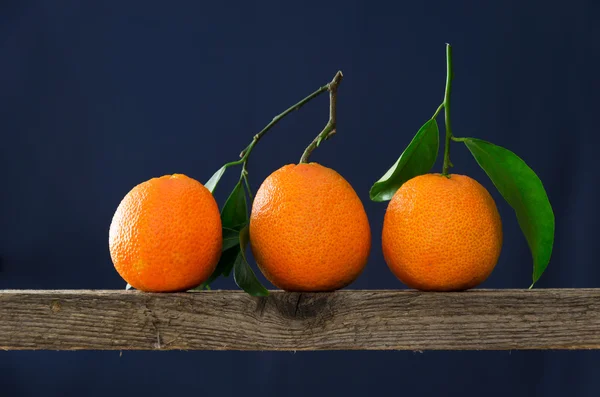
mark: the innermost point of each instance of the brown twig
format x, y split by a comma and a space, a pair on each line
330, 127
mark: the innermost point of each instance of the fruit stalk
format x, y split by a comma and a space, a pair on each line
245, 178
330, 127
246, 152
449, 76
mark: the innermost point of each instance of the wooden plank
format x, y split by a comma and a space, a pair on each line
342, 320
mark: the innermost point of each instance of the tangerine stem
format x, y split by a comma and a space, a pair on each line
446, 104
438, 111
246, 152
330, 127
244, 176
244, 155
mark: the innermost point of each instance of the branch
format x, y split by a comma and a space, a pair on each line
330, 127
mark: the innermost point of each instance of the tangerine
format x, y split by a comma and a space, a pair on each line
308, 229
166, 234
442, 233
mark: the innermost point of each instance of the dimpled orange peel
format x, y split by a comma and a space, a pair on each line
308, 229
166, 234
447, 247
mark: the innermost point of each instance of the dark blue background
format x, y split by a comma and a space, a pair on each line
96, 97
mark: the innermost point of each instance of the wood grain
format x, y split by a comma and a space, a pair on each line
342, 320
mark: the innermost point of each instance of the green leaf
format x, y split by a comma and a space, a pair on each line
242, 272
523, 190
417, 159
234, 214
234, 217
224, 266
214, 180
231, 238
230, 256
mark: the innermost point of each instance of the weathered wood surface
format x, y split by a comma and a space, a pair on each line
343, 320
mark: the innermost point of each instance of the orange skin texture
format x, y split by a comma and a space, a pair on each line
308, 229
442, 234
166, 235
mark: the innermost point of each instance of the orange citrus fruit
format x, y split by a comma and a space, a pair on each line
308, 229
166, 234
442, 234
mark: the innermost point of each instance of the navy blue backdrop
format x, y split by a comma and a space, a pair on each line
98, 96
